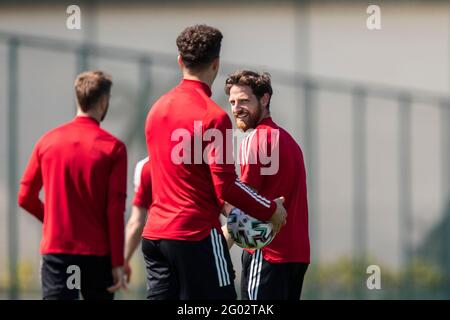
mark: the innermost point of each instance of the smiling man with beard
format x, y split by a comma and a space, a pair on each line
277, 270
182, 243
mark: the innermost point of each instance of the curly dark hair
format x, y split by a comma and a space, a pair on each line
199, 45
259, 82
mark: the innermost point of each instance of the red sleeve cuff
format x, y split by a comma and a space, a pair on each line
117, 260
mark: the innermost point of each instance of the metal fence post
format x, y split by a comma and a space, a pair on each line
405, 193
445, 143
136, 131
82, 58
82, 64
144, 96
310, 155
359, 188
13, 237
445, 188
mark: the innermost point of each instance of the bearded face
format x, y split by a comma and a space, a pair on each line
246, 107
248, 119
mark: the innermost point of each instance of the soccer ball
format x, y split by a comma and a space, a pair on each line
248, 232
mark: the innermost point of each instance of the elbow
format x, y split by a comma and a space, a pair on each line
135, 227
224, 190
22, 201
140, 225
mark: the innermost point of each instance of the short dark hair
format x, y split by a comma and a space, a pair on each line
199, 45
259, 82
90, 86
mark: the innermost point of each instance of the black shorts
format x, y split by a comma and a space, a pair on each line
262, 280
59, 272
189, 270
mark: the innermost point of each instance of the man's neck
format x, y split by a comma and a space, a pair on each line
264, 116
90, 114
198, 77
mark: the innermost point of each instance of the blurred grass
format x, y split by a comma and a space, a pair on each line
346, 278
341, 279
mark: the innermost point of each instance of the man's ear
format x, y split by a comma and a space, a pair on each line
180, 62
216, 64
103, 102
265, 100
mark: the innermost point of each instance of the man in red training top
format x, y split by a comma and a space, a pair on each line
141, 203
276, 271
183, 246
83, 170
